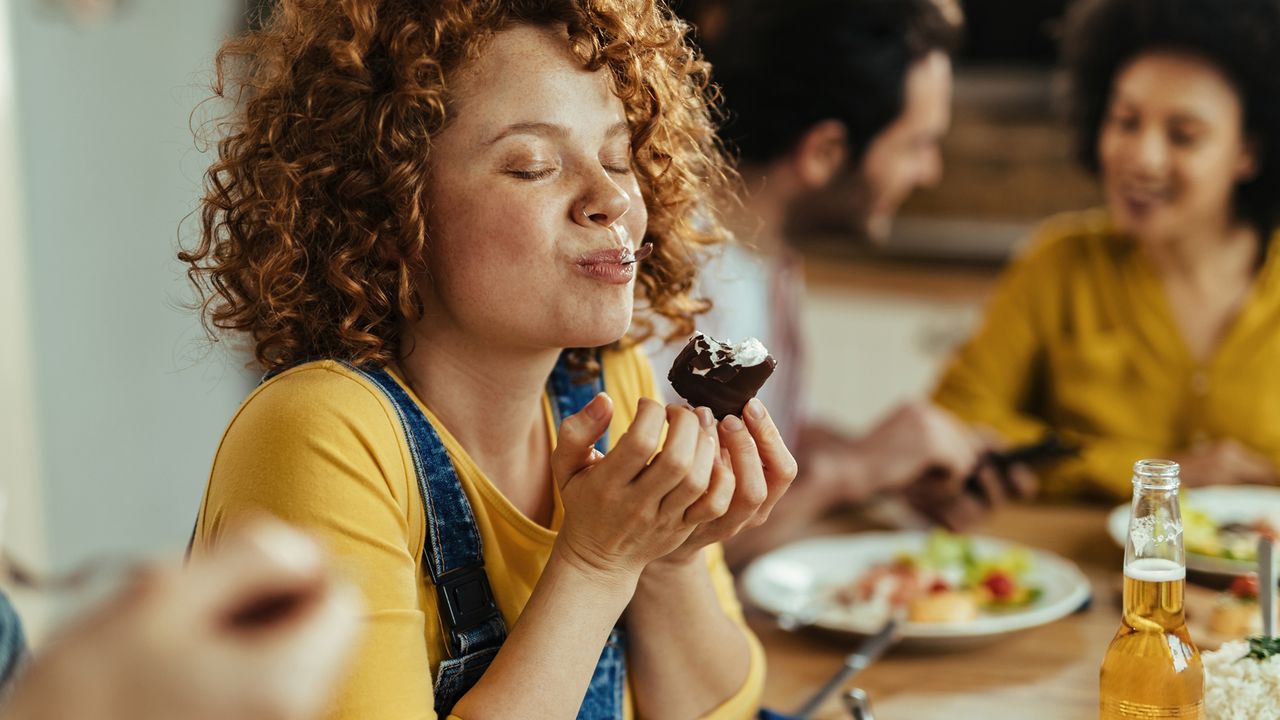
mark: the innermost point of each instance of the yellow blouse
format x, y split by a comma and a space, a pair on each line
322, 449
1079, 339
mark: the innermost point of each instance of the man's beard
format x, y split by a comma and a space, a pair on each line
841, 212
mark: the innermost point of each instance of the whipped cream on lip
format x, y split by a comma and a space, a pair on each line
615, 265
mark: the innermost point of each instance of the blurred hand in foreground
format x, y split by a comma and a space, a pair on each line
258, 630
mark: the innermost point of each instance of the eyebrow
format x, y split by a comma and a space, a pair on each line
543, 129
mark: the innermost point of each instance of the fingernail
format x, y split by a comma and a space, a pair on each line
755, 409
706, 416
733, 423
596, 408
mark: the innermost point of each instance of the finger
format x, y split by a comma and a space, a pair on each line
1258, 470
990, 487
263, 574
748, 469
631, 454
575, 443
780, 466
674, 463
1023, 483
696, 486
715, 502
961, 513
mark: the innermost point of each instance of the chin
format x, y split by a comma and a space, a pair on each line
1145, 230
603, 327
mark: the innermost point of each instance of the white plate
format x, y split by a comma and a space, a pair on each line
790, 580
1226, 503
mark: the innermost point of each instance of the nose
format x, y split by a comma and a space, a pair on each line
602, 202
1150, 151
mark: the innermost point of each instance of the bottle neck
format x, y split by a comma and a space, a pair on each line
1155, 528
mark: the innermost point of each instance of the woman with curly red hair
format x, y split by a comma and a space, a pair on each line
430, 219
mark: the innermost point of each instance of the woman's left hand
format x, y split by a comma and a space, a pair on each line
753, 470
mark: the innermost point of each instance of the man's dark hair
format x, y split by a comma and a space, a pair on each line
785, 65
1241, 38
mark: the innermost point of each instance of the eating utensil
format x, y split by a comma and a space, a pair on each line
1267, 585
858, 705
871, 649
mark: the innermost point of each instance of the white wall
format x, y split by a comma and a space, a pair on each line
129, 409
871, 351
21, 524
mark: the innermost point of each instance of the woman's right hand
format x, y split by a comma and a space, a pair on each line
1225, 462
623, 510
917, 440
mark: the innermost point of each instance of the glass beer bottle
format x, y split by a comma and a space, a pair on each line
1152, 669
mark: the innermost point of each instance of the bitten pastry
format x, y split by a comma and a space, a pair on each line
721, 376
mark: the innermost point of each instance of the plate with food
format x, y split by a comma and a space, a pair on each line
945, 587
1219, 617
1221, 526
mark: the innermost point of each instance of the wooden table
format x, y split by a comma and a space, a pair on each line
1047, 673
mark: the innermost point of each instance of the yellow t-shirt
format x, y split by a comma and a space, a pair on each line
1079, 338
319, 447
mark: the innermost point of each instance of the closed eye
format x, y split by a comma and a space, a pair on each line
532, 174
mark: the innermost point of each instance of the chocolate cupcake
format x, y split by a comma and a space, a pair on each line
721, 376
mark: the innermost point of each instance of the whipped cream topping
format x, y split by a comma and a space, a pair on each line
748, 353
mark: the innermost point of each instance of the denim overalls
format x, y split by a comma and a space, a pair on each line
13, 646
453, 555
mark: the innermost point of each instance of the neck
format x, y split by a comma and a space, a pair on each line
1202, 260
489, 398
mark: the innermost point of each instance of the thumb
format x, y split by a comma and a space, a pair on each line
575, 446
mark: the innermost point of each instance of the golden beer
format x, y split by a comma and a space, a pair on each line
1152, 668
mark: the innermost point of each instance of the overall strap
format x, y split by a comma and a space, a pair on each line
453, 551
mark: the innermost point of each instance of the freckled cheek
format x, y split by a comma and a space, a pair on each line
506, 232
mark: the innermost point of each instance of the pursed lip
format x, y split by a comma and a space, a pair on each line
611, 256
612, 266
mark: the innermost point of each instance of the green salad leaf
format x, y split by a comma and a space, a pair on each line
1262, 647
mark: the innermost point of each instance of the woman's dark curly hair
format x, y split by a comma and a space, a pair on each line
1241, 38
314, 220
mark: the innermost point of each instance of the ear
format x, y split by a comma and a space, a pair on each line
1247, 163
821, 153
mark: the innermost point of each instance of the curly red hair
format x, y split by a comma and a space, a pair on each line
314, 220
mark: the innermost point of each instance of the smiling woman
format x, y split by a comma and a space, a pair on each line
434, 221
1147, 329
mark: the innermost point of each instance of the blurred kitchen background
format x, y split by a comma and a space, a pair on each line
111, 404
